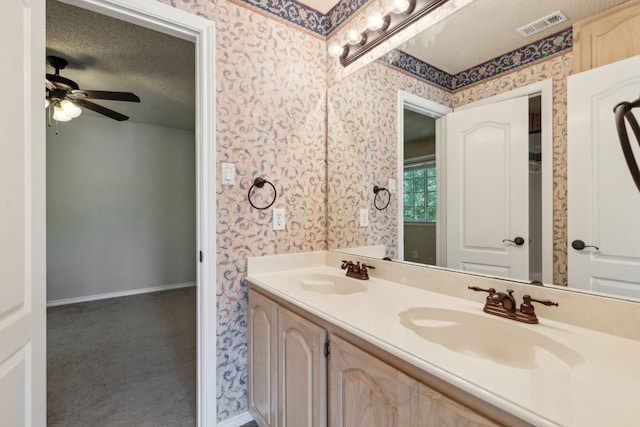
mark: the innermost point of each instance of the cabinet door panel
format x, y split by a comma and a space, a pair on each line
364, 391
262, 359
303, 372
436, 410
607, 37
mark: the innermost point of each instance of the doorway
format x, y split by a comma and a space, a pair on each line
420, 147
200, 31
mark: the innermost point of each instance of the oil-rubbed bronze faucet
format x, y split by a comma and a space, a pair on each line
504, 305
356, 270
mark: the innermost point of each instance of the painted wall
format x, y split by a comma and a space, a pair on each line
121, 211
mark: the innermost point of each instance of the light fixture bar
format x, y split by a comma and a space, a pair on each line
397, 23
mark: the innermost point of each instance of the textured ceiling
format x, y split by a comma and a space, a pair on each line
486, 29
107, 54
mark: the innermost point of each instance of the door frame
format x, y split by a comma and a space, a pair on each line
432, 109
543, 88
201, 31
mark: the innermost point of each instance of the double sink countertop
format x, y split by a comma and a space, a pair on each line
547, 374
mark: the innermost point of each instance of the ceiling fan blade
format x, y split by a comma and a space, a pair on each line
101, 94
102, 110
49, 85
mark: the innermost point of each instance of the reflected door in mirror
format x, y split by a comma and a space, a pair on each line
487, 189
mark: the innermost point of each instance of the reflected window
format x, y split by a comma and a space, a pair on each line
420, 191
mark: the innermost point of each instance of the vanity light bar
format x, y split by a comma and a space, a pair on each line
392, 23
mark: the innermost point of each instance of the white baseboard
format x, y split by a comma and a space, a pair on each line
237, 420
87, 298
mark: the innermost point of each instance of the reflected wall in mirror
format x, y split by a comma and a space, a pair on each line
457, 67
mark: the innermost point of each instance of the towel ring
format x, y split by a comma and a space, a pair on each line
259, 182
377, 191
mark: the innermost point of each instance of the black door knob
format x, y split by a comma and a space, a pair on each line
518, 241
579, 245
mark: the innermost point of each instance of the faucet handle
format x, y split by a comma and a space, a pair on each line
477, 289
346, 264
365, 266
527, 308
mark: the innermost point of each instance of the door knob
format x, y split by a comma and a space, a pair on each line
579, 245
518, 241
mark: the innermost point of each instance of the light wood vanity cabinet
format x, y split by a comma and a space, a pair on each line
288, 376
286, 366
437, 410
262, 334
607, 37
363, 391
302, 375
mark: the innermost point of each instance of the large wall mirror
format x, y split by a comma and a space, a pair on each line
407, 122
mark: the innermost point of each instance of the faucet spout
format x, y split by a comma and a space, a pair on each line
356, 270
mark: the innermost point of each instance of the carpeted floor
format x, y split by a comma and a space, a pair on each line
123, 362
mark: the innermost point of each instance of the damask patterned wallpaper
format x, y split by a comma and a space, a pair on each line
270, 122
361, 152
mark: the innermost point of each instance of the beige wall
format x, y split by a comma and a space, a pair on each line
121, 207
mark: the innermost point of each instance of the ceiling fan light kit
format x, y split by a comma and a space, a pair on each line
64, 97
381, 25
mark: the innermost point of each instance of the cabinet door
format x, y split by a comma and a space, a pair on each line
302, 373
262, 337
365, 392
607, 37
436, 410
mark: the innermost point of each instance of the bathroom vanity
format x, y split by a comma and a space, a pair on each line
412, 346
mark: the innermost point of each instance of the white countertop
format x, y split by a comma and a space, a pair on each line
594, 383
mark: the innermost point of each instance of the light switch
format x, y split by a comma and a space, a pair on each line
392, 185
364, 217
279, 219
228, 173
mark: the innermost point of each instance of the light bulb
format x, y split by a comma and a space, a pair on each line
70, 109
59, 115
354, 37
375, 21
335, 50
400, 6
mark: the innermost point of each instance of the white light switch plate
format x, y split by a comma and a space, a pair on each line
279, 219
392, 186
364, 217
228, 173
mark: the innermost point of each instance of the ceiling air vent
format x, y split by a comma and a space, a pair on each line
542, 24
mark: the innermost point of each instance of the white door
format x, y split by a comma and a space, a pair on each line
22, 215
603, 202
487, 189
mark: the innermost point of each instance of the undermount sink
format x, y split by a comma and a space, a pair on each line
492, 338
329, 284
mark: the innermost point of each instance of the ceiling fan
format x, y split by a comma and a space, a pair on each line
65, 96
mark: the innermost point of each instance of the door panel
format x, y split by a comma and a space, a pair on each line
302, 373
603, 202
22, 215
487, 188
364, 391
